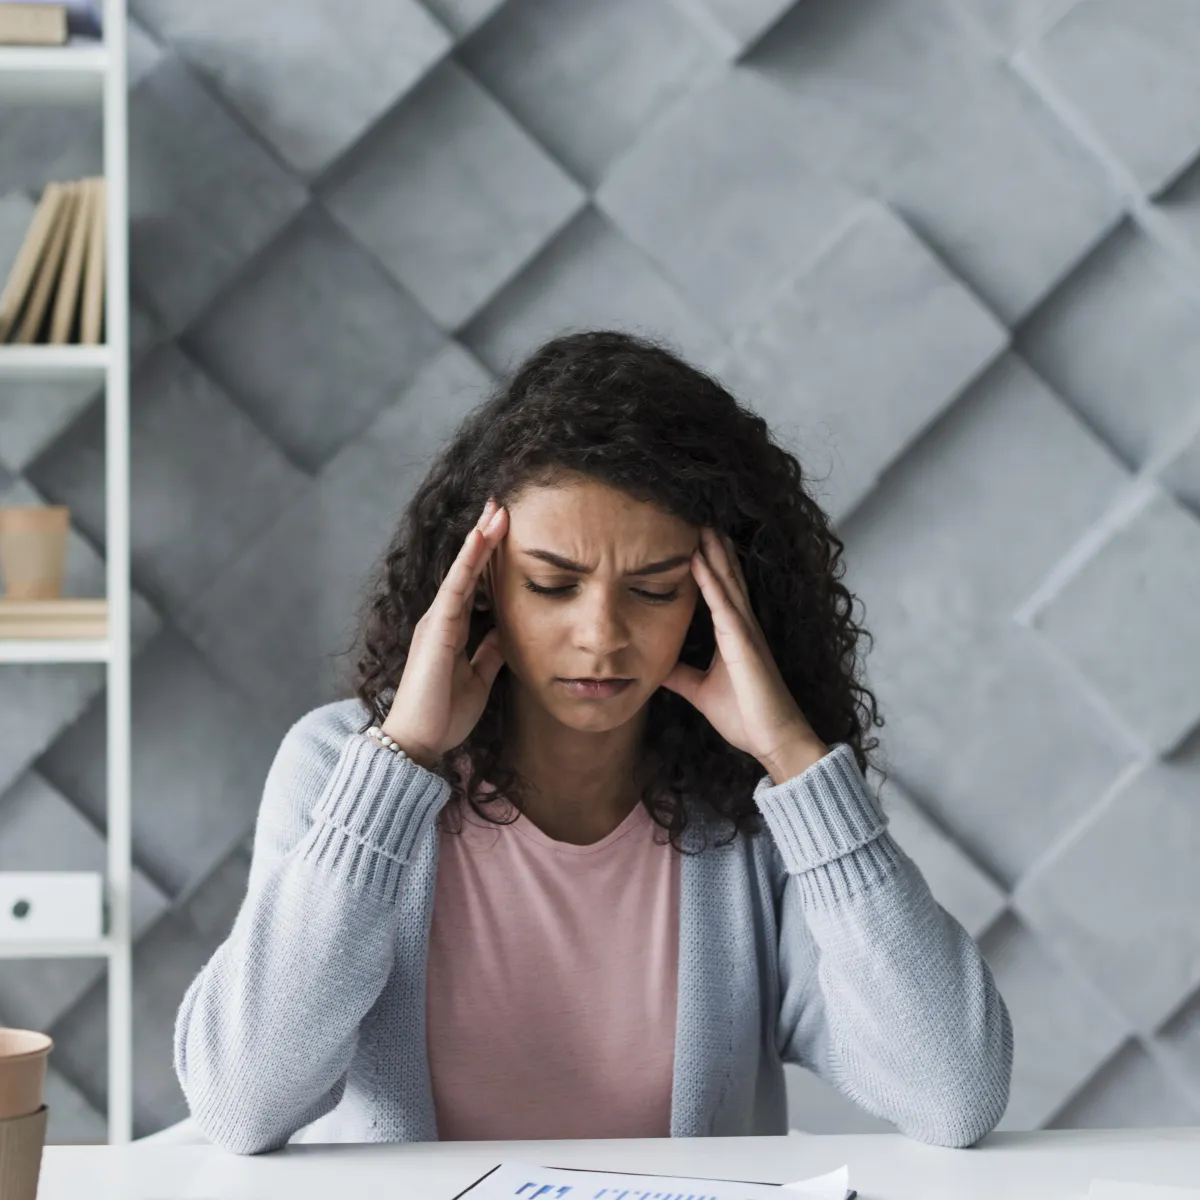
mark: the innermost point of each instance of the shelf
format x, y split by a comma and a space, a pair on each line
62, 629
54, 362
87, 948
70, 74
53, 650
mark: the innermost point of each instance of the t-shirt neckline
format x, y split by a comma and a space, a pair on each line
636, 819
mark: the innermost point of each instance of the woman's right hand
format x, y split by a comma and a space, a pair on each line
442, 693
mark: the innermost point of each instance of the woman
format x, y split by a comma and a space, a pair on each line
609, 890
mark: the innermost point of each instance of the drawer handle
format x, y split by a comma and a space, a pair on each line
21, 909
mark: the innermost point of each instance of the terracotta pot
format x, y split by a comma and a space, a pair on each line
33, 551
23, 1055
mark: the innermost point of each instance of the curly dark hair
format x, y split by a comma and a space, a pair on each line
629, 412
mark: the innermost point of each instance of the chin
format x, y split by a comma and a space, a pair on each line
593, 722
598, 717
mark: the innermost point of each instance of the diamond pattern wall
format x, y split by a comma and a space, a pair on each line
950, 248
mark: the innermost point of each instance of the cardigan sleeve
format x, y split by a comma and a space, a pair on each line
266, 1031
883, 994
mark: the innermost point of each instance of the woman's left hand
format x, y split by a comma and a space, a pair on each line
742, 693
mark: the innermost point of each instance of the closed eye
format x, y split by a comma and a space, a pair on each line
655, 597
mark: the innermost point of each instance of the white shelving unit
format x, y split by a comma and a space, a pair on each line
89, 73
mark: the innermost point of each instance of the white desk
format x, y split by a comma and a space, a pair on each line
1028, 1166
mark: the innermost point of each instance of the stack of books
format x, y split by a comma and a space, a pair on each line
55, 290
66, 617
38, 23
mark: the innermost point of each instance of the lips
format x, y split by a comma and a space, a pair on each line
595, 688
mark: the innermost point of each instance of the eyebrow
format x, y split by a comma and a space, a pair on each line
565, 564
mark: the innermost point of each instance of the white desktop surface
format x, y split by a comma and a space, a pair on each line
1031, 1166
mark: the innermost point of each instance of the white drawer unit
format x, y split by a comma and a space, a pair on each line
46, 906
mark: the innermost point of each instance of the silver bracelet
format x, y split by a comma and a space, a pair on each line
379, 737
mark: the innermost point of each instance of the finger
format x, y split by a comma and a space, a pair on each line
718, 557
493, 534
735, 573
728, 623
457, 588
736, 563
488, 567
487, 537
488, 658
741, 593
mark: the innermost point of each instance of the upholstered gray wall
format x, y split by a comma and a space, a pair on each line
950, 249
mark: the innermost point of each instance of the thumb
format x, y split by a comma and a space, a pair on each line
684, 680
488, 658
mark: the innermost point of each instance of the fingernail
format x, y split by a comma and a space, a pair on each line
483, 515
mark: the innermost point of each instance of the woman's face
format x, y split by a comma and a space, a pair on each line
609, 614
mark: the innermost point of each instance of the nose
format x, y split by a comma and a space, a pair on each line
600, 626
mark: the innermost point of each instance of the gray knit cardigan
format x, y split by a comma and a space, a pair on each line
816, 942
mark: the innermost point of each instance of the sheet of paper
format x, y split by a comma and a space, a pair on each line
1111, 1189
833, 1186
524, 1181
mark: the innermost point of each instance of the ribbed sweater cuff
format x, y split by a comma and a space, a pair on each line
828, 826
373, 813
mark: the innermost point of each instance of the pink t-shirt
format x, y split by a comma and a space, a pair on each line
552, 982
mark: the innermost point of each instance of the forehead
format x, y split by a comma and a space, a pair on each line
582, 509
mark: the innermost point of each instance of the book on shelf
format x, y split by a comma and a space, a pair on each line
55, 288
66, 617
25, 265
91, 317
48, 22
49, 266
66, 299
